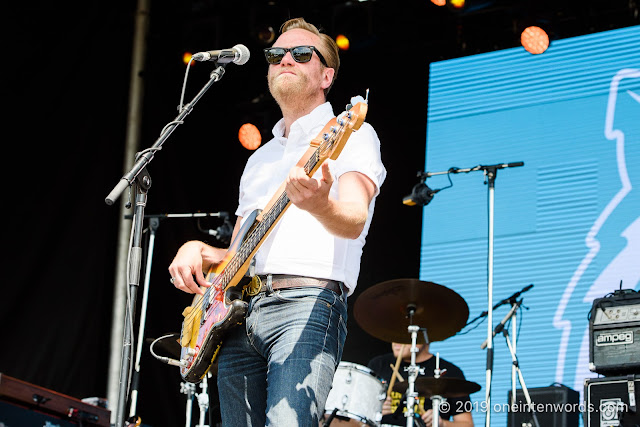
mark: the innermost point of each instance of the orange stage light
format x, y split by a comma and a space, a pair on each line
439, 2
249, 136
342, 41
535, 40
186, 57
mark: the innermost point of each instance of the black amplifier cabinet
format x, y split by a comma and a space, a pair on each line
555, 406
614, 334
612, 401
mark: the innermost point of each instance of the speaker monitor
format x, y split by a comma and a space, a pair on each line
555, 406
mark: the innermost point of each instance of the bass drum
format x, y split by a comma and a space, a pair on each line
356, 397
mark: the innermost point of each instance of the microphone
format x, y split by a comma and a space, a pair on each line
514, 296
500, 326
239, 54
421, 195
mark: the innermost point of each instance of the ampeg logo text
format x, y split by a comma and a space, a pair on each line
615, 338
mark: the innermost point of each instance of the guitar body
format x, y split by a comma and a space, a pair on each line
210, 316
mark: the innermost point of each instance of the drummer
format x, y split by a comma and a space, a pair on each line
394, 406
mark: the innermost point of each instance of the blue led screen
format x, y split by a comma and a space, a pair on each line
568, 221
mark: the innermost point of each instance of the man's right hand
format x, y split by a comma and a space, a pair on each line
189, 262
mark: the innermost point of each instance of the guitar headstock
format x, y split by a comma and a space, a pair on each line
335, 134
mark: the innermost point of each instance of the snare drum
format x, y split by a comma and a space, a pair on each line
357, 394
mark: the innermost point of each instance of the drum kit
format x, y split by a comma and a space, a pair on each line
407, 311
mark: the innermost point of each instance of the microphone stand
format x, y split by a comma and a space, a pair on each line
139, 177
515, 367
154, 224
490, 173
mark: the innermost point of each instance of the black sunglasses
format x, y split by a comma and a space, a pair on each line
301, 54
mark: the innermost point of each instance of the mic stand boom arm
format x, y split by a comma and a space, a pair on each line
145, 157
473, 169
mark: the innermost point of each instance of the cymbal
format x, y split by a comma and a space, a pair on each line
443, 386
384, 310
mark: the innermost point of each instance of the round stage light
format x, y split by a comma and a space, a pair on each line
249, 136
186, 57
535, 40
343, 42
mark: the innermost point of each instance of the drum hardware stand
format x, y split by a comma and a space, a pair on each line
189, 389
436, 400
203, 401
413, 369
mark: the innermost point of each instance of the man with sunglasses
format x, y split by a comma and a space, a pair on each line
278, 367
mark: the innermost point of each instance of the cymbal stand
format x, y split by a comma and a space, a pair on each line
190, 390
203, 401
413, 369
436, 400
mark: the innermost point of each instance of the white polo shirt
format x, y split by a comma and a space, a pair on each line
299, 244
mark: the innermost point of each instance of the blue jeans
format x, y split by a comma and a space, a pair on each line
278, 367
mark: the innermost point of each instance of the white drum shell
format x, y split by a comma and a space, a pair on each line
357, 394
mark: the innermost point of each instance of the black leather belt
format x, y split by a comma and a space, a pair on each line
285, 281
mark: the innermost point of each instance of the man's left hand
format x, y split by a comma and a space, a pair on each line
307, 193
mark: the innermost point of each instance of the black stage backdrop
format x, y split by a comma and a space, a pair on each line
65, 95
